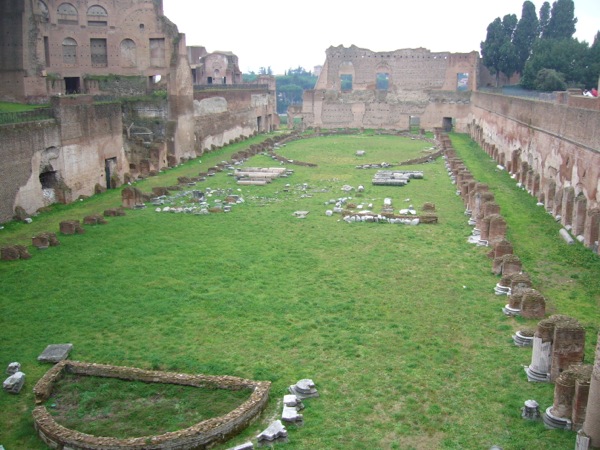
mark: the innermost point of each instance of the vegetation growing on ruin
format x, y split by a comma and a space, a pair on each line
18, 107
397, 325
122, 409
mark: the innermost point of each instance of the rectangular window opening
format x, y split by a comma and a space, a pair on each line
346, 83
382, 81
98, 52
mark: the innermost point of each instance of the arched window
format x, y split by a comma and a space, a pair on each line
67, 14
44, 10
97, 10
69, 47
128, 56
97, 16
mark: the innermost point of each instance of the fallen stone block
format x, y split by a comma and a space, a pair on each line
44, 240
13, 368
301, 214
71, 227
14, 383
292, 400
114, 212
94, 219
14, 252
276, 430
55, 353
566, 236
290, 415
304, 388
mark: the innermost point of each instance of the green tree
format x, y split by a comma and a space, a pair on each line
544, 18
291, 87
249, 77
562, 20
593, 64
498, 52
550, 80
525, 34
568, 57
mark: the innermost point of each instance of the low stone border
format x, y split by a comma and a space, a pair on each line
199, 436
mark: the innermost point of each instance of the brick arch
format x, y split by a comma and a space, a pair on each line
128, 53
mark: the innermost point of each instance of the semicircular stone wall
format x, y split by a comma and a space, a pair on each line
201, 435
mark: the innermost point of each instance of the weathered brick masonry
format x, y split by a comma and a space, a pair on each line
552, 148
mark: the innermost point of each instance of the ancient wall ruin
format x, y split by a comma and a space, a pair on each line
58, 160
222, 115
201, 435
28, 149
52, 46
361, 88
552, 149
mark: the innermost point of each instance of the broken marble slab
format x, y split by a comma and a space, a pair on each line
304, 388
14, 383
276, 430
55, 353
290, 415
292, 400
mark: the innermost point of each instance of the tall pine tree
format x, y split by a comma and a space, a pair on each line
498, 51
562, 20
544, 18
525, 35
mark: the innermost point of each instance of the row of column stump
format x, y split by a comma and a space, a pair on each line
47, 239
566, 203
558, 341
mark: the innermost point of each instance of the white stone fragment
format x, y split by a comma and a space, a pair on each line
274, 431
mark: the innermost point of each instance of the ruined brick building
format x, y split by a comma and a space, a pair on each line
117, 75
361, 88
62, 47
214, 68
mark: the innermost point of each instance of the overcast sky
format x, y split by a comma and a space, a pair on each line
288, 34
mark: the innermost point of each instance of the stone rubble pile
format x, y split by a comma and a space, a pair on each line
260, 176
16, 379
197, 202
395, 178
405, 216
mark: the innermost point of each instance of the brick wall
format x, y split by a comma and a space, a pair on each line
553, 149
20, 143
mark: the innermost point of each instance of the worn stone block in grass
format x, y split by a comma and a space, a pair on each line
304, 388
55, 353
274, 432
14, 383
114, 212
14, 252
69, 227
44, 240
94, 219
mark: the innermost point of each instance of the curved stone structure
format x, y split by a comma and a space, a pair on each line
199, 436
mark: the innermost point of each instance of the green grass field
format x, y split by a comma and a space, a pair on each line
397, 325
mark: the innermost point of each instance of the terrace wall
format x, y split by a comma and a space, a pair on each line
222, 115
